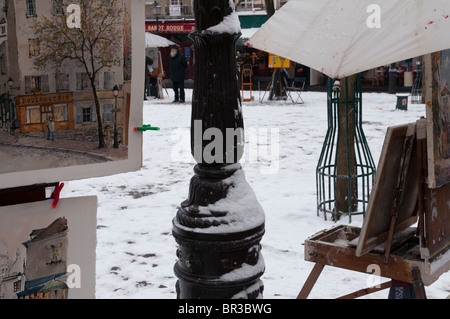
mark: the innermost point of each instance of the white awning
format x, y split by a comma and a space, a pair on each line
156, 41
341, 38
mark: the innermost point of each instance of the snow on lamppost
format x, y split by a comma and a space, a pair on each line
219, 227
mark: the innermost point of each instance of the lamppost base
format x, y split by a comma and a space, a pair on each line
219, 251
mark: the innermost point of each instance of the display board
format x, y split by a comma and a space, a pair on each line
276, 62
72, 87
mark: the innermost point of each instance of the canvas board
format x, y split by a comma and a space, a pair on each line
48, 252
437, 99
29, 155
378, 217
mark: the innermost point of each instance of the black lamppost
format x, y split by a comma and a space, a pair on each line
392, 79
116, 110
156, 10
219, 227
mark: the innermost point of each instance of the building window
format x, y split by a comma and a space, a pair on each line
109, 80
34, 47
62, 82
36, 84
33, 115
108, 114
17, 285
57, 7
46, 113
87, 115
54, 254
83, 82
31, 8
60, 113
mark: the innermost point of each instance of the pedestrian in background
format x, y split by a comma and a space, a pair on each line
177, 65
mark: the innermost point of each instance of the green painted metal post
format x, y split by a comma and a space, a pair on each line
361, 168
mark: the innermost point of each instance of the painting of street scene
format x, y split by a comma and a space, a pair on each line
65, 83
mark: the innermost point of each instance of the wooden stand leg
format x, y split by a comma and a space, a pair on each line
311, 281
419, 288
366, 291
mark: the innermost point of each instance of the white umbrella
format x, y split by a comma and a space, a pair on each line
342, 38
156, 41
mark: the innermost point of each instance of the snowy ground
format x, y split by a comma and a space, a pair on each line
136, 250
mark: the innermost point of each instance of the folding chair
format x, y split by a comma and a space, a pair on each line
297, 87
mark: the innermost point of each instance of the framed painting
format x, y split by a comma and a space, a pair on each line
70, 97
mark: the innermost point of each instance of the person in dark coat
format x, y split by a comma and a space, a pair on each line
177, 67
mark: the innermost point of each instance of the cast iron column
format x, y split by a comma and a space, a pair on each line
219, 227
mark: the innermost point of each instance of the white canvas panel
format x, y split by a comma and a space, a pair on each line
342, 38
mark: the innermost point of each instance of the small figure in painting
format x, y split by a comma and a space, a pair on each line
50, 129
15, 126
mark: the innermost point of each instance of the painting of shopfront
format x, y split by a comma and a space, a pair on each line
33, 111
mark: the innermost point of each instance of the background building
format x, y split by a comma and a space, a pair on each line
174, 20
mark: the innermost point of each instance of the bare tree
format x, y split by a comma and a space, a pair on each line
270, 8
95, 46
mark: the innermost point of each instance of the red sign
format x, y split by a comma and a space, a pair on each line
170, 27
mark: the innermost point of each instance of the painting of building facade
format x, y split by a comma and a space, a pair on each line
39, 269
46, 252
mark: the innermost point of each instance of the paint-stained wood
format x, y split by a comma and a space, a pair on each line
437, 220
437, 99
311, 281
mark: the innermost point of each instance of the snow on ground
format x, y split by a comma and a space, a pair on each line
136, 250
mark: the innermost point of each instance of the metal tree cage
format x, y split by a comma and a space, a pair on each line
347, 141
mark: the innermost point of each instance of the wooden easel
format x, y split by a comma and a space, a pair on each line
160, 79
386, 239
